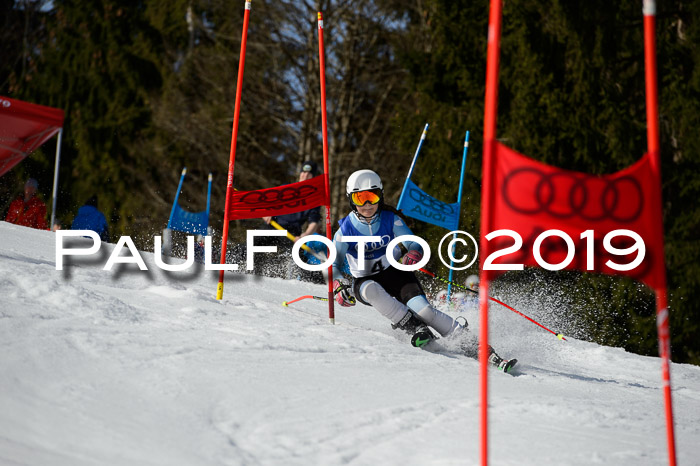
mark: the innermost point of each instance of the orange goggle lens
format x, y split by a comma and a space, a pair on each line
362, 197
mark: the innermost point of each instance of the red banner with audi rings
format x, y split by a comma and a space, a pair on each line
280, 200
533, 198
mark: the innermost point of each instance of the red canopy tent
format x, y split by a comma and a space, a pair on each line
24, 127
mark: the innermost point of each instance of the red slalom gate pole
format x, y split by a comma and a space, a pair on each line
324, 129
558, 335
232, 153
653, 146
487, 194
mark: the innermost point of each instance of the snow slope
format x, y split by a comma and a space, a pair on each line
130, 367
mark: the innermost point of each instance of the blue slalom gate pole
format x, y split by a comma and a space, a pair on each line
177, 196
208, 195
415, 157
459, 201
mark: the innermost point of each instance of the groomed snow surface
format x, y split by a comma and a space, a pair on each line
148, 368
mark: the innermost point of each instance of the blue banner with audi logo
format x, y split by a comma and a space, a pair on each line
422, 206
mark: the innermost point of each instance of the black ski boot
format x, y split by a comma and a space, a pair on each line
421, 334
503, 364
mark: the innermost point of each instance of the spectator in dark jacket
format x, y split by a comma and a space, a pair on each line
90, 218
294, 223
28, 210
299, 224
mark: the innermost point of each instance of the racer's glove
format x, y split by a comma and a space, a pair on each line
411, 257
343, 293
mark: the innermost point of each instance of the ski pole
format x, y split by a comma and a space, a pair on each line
558, 335
293, 238
308, 296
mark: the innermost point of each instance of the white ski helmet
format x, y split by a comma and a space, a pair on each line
472, 282
364, 180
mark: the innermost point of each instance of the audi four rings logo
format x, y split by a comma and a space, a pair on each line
431, 203
574, 195
371, 247
276, 196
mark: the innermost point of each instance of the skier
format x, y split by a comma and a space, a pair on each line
460, 300
396, 294
468, 300
472, 282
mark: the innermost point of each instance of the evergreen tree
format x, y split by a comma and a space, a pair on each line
98, 62
572, 95
21, 29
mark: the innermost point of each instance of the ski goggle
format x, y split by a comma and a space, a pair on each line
360, 198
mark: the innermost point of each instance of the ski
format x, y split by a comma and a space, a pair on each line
423, 337
505, 365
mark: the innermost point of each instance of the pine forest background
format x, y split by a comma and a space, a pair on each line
148, 87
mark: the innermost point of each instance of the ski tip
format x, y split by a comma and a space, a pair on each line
509, 366
285, 304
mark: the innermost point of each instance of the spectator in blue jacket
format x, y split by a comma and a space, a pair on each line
90, 218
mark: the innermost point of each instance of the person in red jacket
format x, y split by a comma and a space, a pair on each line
28, 210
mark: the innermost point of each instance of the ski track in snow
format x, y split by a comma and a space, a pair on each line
129, 367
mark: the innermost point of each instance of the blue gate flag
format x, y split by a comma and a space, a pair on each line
196, 223
416, 203
422, 206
